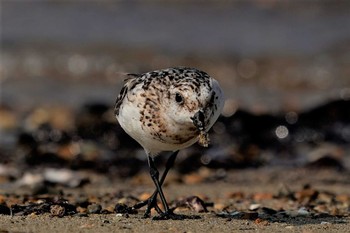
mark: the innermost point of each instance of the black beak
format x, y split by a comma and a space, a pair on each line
199, 120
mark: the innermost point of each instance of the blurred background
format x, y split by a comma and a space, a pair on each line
284, 67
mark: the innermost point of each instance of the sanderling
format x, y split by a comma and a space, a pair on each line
168, 110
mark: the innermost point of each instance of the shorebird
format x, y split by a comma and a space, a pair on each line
168, 110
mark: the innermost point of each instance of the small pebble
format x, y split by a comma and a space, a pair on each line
196, 204
261, 222
121, 208
81, 209
254, 206
57, 210
303, 212
94, 208
262, 196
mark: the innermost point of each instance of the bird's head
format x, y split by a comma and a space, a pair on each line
194, 101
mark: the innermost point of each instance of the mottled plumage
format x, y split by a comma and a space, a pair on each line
168, 110
155, 108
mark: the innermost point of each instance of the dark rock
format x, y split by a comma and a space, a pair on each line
4, 210
326, 162
121, 208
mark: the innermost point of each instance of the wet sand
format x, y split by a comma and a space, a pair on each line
255, 187
110, 223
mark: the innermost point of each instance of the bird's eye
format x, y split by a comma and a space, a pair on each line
178, 98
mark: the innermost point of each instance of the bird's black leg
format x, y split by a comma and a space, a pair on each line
155, 177
168, 214
152, 201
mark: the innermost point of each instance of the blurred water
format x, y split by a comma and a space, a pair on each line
268, 56
244, 29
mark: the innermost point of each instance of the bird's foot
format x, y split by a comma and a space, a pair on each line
151, 204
